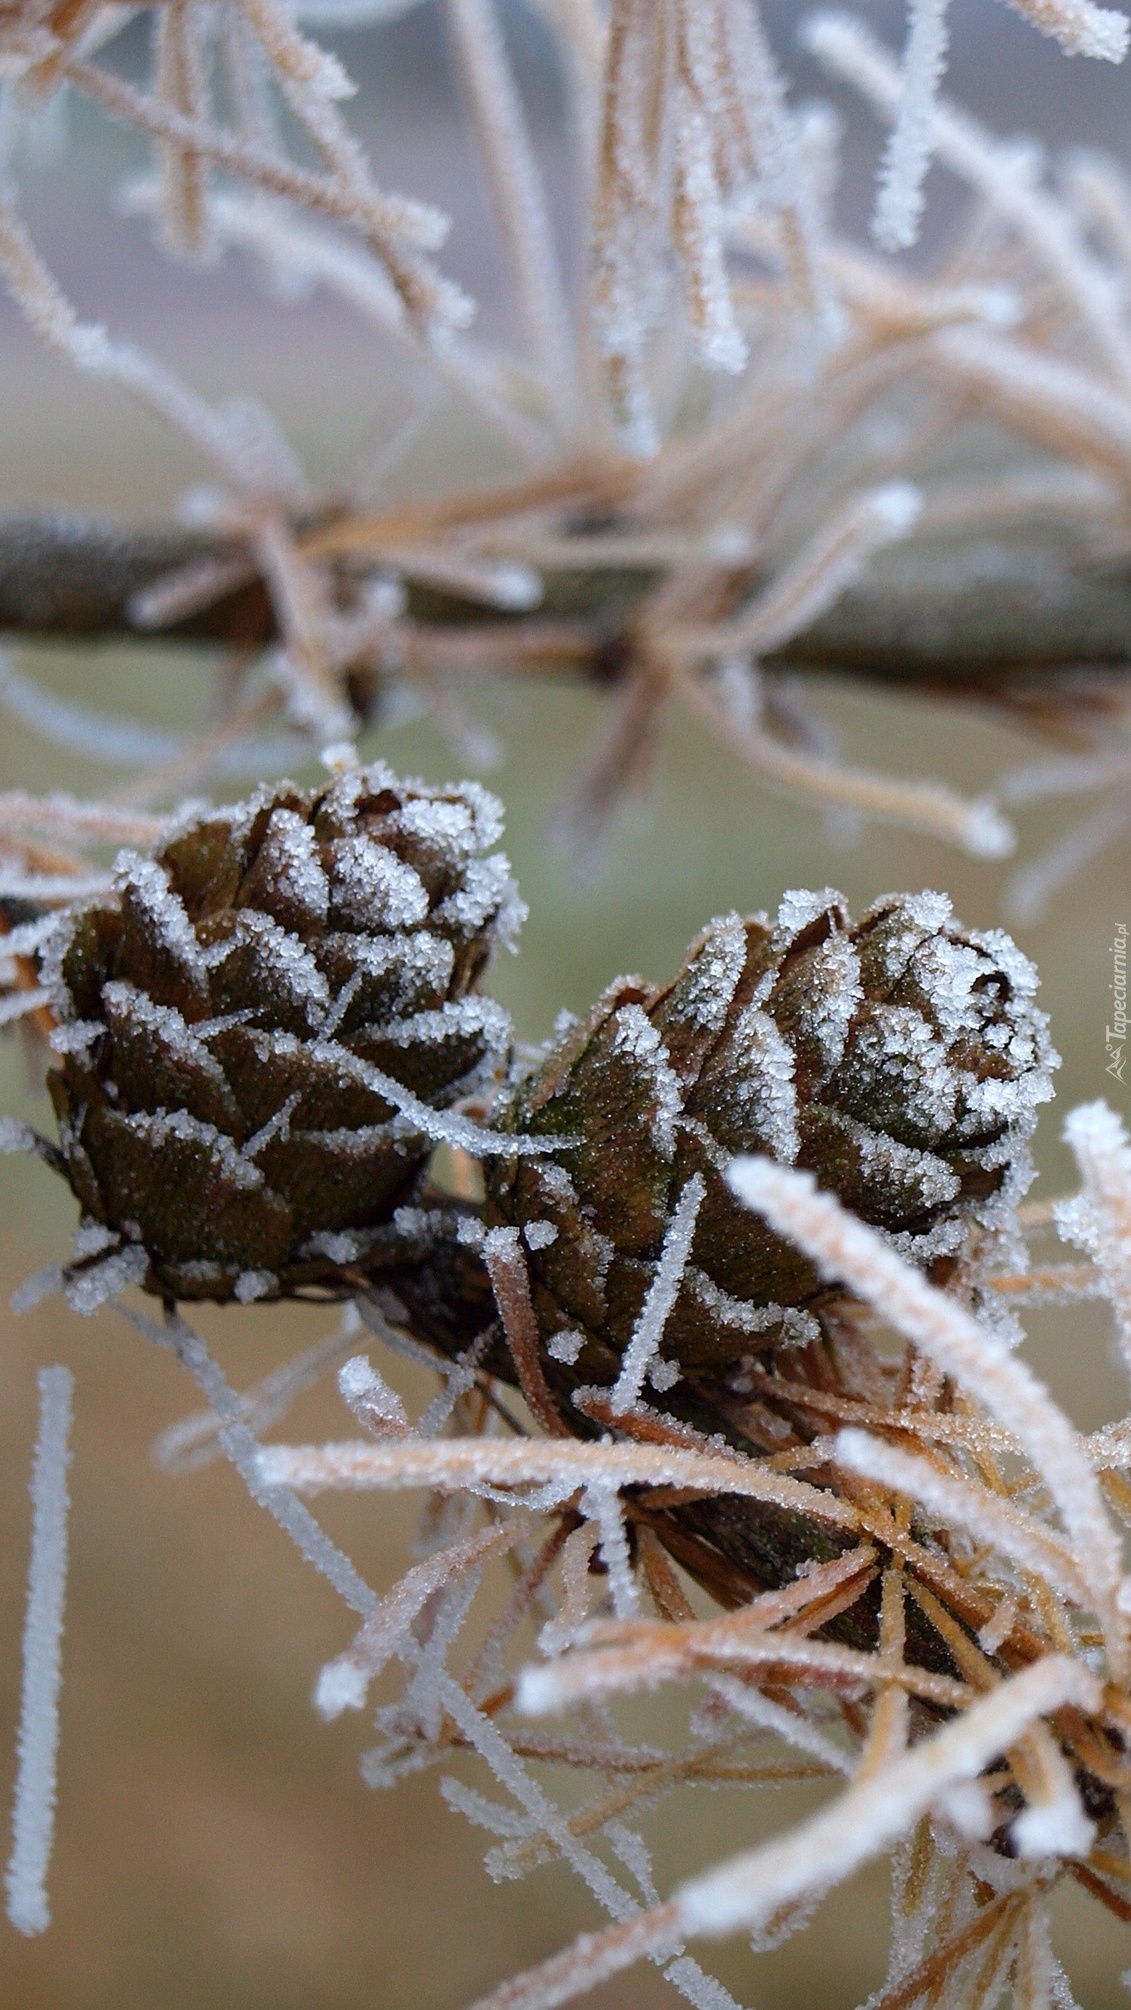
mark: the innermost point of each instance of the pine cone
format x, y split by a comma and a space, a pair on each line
254, 1030
899, 1059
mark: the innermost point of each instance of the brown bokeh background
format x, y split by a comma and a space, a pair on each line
215, 1844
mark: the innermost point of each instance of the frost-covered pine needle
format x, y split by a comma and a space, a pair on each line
510, 1281
870, 1816
835, 556
849, 1250
685, 151
820, 1852
194, 1441
988, 1574
899, 203
33, 1812
562, 1466
961, 1504
641, 1354
601, 1504
344, 1682
243, 1449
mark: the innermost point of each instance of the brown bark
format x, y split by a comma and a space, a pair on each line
1022, 623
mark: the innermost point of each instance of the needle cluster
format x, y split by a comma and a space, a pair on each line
737, 415
721, 1289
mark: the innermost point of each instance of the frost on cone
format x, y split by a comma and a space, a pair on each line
245, 1025
900, 1059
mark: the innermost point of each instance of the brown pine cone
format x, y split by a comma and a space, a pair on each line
900, 1059
256, 1026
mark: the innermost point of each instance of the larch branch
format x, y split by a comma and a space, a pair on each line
1025, 623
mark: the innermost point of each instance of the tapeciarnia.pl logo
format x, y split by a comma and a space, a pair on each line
1115, 1035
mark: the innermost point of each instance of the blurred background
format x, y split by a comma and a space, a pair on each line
215, 1844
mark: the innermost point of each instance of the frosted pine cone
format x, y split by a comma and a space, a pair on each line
255, 1031
900, 1059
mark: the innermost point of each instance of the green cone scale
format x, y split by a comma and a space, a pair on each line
257, 1025
900, 1059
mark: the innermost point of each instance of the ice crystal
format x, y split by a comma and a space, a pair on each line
253, 1284
565, 1346
373, 1403
90, 1289
16, 1137
539, 1234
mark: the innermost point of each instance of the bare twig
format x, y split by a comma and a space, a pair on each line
1039, 625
